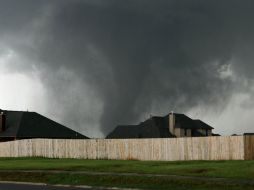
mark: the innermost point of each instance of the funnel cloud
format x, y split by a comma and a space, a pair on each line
101, 63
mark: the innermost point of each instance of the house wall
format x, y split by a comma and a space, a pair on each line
168, 149
179, 132
188, 132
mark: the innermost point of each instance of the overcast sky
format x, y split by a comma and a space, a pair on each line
93, 64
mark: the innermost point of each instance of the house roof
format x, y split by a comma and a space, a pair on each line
21, 124
155, 127
184, 122
202, 125
124, 131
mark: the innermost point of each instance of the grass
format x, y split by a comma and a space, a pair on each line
229, 169
232, 170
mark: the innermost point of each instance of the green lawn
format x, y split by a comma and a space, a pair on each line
232, 170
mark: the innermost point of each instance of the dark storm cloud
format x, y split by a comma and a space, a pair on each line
135, 55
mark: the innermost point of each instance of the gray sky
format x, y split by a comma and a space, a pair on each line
94, 64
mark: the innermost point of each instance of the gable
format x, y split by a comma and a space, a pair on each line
34, 125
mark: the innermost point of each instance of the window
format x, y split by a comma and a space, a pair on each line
192, 132
206, 132
185, 132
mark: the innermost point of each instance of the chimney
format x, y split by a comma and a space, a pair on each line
2, 122
172, 123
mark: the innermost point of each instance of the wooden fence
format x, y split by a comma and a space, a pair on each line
198, 148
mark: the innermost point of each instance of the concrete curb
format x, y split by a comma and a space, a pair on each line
60, 185
23, 183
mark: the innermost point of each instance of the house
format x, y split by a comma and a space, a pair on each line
27, 125
171, 125
248, 134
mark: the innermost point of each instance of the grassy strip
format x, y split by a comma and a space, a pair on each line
228, 169
125, 181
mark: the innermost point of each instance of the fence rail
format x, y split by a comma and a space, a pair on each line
196, 148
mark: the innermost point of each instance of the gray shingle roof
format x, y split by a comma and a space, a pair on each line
21, 124
202, 125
